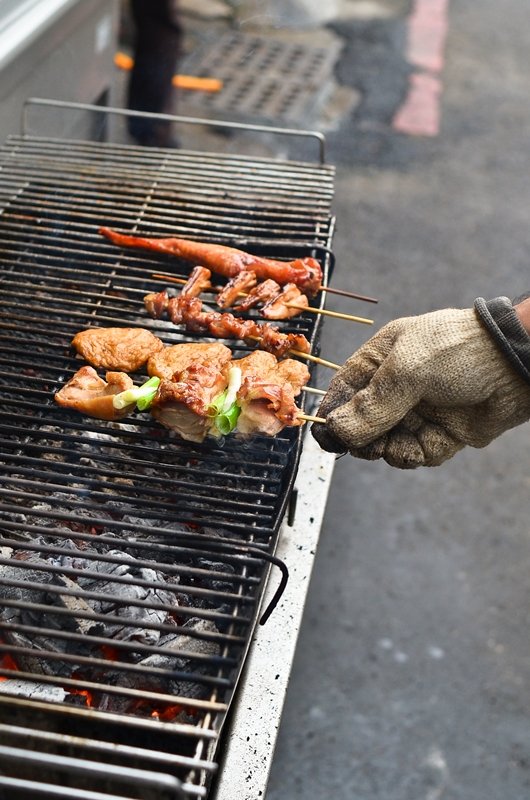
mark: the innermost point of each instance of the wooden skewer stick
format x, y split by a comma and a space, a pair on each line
327, 313
321, 288
307, 356
309, 418
315, 359
344, 293
312, 390
322, 311
170, 278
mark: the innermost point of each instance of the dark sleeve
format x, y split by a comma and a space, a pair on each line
502, 322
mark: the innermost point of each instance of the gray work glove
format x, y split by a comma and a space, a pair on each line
420, 390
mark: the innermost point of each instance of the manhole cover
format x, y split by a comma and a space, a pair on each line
264, 79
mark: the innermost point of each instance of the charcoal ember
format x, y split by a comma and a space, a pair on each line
173, 660
31, 568
15, 615
43, 514
117, 595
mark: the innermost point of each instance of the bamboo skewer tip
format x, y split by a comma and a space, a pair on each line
310, 418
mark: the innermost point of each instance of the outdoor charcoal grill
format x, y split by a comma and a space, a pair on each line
132, 565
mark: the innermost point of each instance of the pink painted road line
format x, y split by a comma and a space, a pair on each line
427, 32
419, 115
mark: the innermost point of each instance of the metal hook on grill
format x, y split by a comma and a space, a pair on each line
279, 591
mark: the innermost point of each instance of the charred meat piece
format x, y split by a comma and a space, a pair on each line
124, 349
182, 403
279, 344
259, 295
289, 303
228, 261
199, 281
188, 311
181, 307
267, 393
156, 304
294, 372
239, 284
159, 303
179, 357
88, 393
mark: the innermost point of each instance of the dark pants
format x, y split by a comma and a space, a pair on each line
156, 53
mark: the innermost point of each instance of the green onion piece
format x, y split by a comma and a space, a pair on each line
223, 408
234, 385
141, 395
216, 406
227, 420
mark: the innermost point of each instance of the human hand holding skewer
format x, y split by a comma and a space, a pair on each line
424, 387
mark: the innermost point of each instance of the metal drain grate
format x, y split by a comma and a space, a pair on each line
263, 79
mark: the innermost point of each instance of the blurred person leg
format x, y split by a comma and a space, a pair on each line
156, 52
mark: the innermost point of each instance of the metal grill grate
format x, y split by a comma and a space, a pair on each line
131, 564
263, 78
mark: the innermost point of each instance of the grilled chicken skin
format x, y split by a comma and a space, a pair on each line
179, 357
122, 349
228, 261
192, 375
267, 393
89, 394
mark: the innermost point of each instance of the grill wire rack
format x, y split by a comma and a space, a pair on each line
132, 565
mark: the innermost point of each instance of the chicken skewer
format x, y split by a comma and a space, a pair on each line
196, 390
266, 292
187, 309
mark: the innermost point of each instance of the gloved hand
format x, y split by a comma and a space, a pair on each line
420, 390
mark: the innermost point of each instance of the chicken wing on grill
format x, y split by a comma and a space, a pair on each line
124, 349
228, 261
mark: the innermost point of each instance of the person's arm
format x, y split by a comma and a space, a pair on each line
523, 312
424, 387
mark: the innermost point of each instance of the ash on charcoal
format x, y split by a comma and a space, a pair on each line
118, 600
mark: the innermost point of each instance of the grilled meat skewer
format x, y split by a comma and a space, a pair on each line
199, 281
193, 379
188, 311
228, 261
192, 374
267, 393
259, 295
177, 358
240, 284
266, 396
288, 303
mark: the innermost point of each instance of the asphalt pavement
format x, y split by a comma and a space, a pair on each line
412, 675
